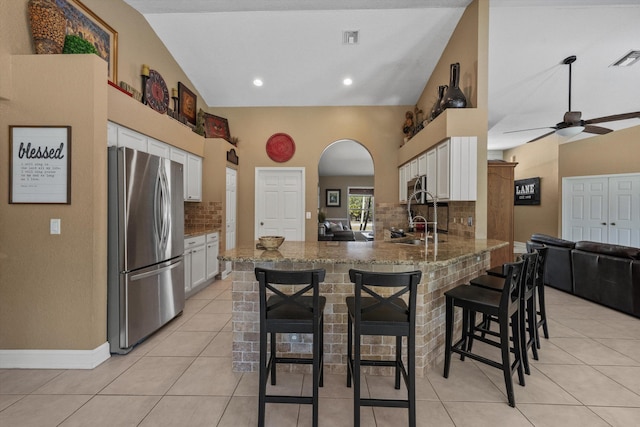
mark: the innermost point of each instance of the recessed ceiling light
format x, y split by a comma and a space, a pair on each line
257, 82
347, 82
629, 59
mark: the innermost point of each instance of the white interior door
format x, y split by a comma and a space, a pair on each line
585, 209
624, 210
231, 212
279, 203
602, 209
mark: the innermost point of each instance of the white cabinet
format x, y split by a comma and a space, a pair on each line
413, 165
212, 255
112, 134
195, 266
132, 139
432, 169
180, 156
193, 178
402, 188
457, 169
158, 148
422, 164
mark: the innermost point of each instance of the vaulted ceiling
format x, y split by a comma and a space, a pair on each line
296, 47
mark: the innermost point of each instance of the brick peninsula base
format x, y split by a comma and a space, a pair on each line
457, 261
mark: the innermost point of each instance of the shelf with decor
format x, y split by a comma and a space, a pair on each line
451, 122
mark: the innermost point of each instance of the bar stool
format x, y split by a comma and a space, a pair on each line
527, 305
294, 312
383, 312
505, 307
541, 319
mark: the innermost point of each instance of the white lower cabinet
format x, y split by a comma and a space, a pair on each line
212, 255
195, 263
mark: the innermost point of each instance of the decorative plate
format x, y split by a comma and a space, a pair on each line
280, 147
157, 92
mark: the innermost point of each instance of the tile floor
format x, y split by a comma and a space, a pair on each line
588, 375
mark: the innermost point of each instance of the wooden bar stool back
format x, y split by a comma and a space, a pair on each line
290, 309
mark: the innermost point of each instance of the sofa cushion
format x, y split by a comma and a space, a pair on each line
333, 227
609, 249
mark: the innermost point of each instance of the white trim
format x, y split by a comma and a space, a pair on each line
54, 359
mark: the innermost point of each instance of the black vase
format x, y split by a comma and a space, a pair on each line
453, 97
437, 108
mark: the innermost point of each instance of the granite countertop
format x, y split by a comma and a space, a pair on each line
450, 248
192, 232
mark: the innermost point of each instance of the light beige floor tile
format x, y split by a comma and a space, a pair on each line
109, 411
248, 385
41, 411
25, 381
538, 388
558, 330
217, 306
149, 376
592, 352
220, 346
226, 295
594, 328
207, 376
618, 417
213, 322
211, 291
88, 381
154, 340
383, 387
240, 412
228, 327
191, 411
629, 325
630, 348
466, 382
183, 343
476, 414
7, 400
560, 416
428, 414
549, 353
335, 386
335, 413
628, 376
589, 386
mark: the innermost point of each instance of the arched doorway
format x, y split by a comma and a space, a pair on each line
345, 188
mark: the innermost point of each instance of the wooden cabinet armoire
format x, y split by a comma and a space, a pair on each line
500, 220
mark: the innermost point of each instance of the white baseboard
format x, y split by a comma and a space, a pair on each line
54, 359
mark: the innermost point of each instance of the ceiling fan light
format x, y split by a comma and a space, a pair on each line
570, 132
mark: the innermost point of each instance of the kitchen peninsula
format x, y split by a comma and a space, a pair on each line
457, 261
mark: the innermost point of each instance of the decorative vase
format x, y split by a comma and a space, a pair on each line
453, 97
437, 108
48, 26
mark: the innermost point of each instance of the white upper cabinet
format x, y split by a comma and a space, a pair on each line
158, 148
432, 170
422, 164
132, 139
193, 178
457, 169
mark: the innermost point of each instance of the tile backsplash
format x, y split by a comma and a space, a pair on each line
202, 217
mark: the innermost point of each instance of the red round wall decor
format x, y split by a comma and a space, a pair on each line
280, 147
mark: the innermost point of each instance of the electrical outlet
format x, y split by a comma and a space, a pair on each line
54, 226
294, 338
454, 220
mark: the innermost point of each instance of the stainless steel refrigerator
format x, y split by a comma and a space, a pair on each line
145, 245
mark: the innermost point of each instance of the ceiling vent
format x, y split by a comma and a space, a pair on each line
628, 60
350, 37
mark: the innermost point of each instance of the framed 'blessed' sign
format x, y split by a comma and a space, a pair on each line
40, 164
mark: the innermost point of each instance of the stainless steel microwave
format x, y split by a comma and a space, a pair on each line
419, 183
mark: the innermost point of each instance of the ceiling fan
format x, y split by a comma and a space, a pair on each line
572, 123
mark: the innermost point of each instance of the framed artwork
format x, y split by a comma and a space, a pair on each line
81, 21
40, 164
527, 191
216, 127
333, 198
187, 103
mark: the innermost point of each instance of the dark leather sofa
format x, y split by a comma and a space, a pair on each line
601, 272
338, 231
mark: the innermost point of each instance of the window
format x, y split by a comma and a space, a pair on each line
361, 208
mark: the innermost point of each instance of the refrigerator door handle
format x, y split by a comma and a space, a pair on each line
162, 208
155, 272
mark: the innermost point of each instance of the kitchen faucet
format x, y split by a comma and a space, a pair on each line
435, 219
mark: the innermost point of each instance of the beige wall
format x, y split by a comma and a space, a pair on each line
312, 129
614, 153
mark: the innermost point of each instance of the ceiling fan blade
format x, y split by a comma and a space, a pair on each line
613, 118
596, 129
542, 136
525, 130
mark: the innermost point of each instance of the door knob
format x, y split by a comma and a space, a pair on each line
261, 223
603, 223
613, 223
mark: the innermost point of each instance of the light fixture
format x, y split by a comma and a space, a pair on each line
257, 82
570, 131
628, 60
347, 81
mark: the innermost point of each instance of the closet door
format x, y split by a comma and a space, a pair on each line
624, 210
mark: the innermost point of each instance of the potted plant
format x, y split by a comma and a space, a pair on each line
322, 216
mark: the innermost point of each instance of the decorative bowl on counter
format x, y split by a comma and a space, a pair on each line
270, 243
